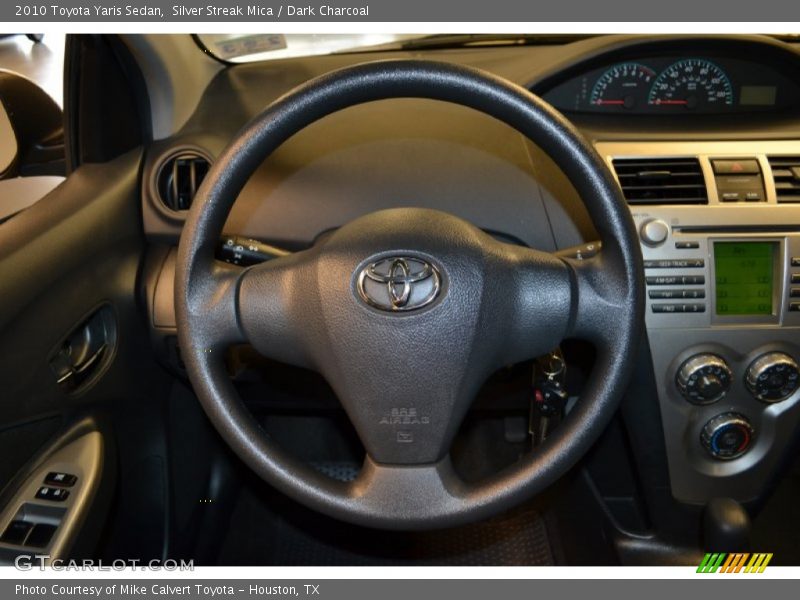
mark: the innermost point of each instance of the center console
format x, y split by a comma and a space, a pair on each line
719, 225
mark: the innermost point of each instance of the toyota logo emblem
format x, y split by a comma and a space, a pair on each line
399, 283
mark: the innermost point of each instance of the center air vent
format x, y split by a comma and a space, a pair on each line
786, 173
179, 177
661, 180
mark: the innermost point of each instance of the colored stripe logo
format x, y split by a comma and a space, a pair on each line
737, 562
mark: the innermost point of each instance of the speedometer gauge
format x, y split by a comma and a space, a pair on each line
622, 86
693, 84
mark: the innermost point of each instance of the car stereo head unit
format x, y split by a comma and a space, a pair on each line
718, 277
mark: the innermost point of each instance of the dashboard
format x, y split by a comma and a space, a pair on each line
722, 277
676, 85
703, 135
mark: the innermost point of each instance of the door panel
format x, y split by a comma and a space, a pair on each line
76, 251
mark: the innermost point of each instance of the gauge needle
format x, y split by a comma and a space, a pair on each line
602, 102
684, 102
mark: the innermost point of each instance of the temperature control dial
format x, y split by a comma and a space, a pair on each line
727, 436
704, 378
772, 377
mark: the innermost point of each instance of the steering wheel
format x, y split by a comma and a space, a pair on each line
406, 312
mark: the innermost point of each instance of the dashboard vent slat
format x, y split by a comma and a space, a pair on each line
661, 180
179, 177
786, 174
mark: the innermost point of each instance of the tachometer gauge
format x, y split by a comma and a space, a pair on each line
622, 86
693, 84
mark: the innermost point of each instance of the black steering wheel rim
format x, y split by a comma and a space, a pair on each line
604, 297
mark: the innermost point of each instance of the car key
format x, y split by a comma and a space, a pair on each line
549, 395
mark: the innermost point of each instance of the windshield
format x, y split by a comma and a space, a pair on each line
255, 47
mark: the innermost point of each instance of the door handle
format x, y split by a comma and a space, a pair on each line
83, 351
83, 366
80, 368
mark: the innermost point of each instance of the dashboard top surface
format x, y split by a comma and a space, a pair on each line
422, 153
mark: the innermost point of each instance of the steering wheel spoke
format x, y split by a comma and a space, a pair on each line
534, 293
600, 302
215, 304
434, 489
270, 303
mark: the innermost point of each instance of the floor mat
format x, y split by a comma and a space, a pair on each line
270, 530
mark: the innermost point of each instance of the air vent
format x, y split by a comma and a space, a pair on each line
179, 178
786, 173
661, 180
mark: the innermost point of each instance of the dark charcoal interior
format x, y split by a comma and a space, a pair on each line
694, 457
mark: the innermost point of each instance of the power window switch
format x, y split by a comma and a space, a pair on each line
52, 494
41, 535
61, 479
16, 533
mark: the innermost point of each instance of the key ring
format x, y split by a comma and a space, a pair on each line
553, 365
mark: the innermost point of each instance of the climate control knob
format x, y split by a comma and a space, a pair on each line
772, 377
727, 436
704, 378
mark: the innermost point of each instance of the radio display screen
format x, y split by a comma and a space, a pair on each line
744, 277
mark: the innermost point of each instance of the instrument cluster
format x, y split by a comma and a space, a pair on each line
676, 85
